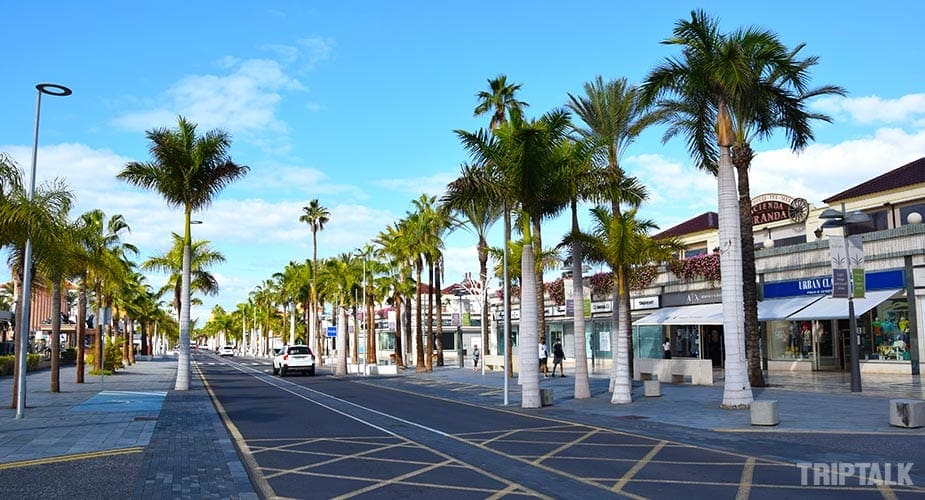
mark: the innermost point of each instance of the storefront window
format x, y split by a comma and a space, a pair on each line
685, 341
647, 341
789, 339
889, 332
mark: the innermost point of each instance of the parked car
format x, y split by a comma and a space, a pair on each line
294, 358
226, 350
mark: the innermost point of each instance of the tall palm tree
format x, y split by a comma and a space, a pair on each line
501, 102
465, 197
525, 153
316, 216
35, 219
696, 92
338, 283
614, 116
188, 171
397, 249
579, 185
621, 241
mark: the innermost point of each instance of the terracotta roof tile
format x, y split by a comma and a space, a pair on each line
906, 175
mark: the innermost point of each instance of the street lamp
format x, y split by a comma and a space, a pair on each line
52, 89
841, 218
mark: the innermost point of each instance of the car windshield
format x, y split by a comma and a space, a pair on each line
299, 350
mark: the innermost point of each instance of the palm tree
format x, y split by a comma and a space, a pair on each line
316, 216
464, 196
202, 256
37, 220
188, 171
579, 184
696, 92
501, 102
338, 283
621, 241
397, 249
614, 116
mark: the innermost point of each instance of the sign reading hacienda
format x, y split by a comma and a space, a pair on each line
775, 207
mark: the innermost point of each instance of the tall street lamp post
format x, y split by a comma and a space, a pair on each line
52, 89
840, 218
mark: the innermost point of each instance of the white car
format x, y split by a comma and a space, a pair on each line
226, 350
294, 358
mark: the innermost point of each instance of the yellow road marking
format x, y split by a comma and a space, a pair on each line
745, 482
638, 466
565, 446
72, 458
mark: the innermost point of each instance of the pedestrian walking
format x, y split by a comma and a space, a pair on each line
558, 356
475, 358
544, 355
667, 348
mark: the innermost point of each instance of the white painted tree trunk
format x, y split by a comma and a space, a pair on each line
341, 369
582, 387
183, 355
292, 323
737, 392
529, 338
623, 384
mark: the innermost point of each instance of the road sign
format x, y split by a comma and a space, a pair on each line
332, 331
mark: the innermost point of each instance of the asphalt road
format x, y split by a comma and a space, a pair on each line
330, 437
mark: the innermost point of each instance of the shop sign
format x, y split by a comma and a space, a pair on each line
600, 307
640, 303
877, 280
775, 207
709, 296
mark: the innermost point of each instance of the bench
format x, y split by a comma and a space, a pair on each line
675, 370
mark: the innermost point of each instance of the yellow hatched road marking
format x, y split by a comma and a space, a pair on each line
638, 466
72, 458
745, 482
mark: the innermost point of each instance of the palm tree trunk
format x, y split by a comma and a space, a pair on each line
737, 392
529, 340
582, 384
742, 159
55, 383
419, 333
540, 287
438, 274
429, 353
399, 350
341, 368
81, 328
622, 387
183, 361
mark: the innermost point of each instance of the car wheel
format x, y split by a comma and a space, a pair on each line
282, 371
275, 371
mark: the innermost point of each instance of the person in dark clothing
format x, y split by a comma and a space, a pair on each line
667, 348
558, 356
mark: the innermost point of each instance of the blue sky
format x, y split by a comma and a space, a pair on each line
354, 103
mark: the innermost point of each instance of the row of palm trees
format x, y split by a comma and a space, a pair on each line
724, 90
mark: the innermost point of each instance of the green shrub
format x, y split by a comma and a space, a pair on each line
8, 363
69, 355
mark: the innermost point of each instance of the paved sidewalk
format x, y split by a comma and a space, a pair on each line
172, 443
812, 402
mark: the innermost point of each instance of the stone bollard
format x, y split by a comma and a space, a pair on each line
764, 413
653, 388
907, 413
546, 397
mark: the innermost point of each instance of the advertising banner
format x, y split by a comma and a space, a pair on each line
841, 288
856, 262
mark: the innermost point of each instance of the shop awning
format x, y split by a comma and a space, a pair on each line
829, 308
700, 314
778, 309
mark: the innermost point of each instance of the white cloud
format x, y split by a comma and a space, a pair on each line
432, 185
873, 109
243, 102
